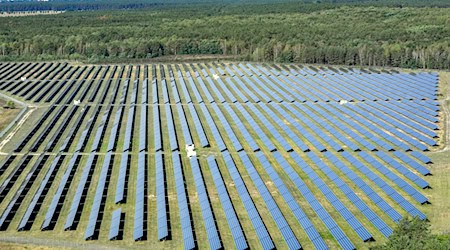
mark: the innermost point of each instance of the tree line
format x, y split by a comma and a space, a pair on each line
83, 5
348, 35
414, 234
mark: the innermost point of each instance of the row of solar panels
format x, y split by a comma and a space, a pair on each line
273, 69
101, 190
362, 117
63, 79
319, 86
16, 71
420, 81
329, 140
127, 143
25, 223
101, 129
51, 72
50, 125
373, 194
422, 137
251, 169
210, 98
78, 201
310, 113
59, 196
331, 225
312, 84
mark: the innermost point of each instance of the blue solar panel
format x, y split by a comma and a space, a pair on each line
238, 92
81, 189
255, 88
228, 70
114, 229
410, 118
421, 157
134, 92
165, 91
144, 94
7, 184
300, 128
245, 89
99, 198
225, 89
194, 88
267, 124
143, 129
155, 97
157, 133
237, 70
140, 198
295, 89
182, 83
318, 131
215, 132
121, 178
391, 113
229, 131
115, 128
230, 213
204, 89
161, 204
253, 214
275, 212
412, 163
299, 142
367, 212
394, 215
198, 126
171, 128
184, 125
400, 125
220, 98
186, 224
317, 207
304, 85
241, 127
35, 204
58, 198
402, 169
175, 93
381, 183
208, 216
9, 212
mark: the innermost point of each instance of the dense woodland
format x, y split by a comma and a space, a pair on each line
75, 5
382, 33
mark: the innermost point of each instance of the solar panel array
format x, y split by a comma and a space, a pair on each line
285, 153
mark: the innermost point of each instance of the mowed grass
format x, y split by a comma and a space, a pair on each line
7, 114
17, 246
437, 211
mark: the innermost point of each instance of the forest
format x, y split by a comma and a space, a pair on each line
77, 5
400, 33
